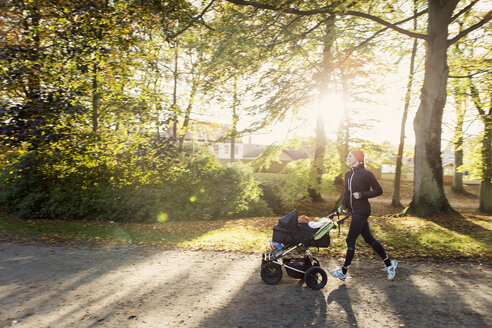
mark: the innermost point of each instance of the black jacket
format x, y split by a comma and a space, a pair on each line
358, 179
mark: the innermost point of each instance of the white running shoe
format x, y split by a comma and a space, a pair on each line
338, 273
391, 270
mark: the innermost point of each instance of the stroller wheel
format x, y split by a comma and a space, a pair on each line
315, 278
271, 273
308, 261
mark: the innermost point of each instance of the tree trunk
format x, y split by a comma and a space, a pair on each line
396, 189
324, 83
343, 135
175, 94
95, 99
34, 45
319, 154
429, 197
458, 146
235, 118
486, 186
186, 121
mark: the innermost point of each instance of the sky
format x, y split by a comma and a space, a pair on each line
387, 115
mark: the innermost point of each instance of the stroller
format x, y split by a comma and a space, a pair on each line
298, 237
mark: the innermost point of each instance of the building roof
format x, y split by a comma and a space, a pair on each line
296, 154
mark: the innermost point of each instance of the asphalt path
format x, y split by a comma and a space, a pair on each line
44, 285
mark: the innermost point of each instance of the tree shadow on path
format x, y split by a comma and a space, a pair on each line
288, 304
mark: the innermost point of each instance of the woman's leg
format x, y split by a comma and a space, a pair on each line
356, 225
376, 245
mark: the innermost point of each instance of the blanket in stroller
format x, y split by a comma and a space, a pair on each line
289, 231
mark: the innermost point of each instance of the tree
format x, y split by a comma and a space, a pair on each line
471, 81
428, 197
399, 157
460, 103
486, 117
231, 62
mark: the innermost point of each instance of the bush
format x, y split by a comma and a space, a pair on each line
300, 177
271, 196
135, 183
271, 185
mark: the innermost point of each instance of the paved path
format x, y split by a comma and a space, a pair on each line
61, 286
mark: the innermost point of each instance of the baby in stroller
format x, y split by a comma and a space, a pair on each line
296, 234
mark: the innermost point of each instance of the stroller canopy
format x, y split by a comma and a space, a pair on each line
288, 223
289, 231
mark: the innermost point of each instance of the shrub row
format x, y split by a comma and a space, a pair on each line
130, 184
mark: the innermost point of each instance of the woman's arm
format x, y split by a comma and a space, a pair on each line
375, 186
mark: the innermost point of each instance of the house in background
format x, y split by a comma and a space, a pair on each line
448, 168
214, 137
388, 170
252, 151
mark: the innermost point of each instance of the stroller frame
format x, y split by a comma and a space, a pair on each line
314, 276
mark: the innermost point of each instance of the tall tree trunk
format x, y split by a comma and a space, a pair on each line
324, 83
95, 98
235, 118
34, 44
175, 94
458, 143
486, 183
396, 188
319, 153
187, 115
343, 135
429, 197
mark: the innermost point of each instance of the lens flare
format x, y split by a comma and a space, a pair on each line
162, 217
120, 234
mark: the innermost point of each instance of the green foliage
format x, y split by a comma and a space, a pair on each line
271, 195
270, 155
132, 182
472, 166
300, 177
271, 185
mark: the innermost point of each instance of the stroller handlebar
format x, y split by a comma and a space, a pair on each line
339, 221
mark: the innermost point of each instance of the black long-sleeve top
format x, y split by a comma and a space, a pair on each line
358, 179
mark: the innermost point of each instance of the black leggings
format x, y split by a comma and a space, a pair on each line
359, 225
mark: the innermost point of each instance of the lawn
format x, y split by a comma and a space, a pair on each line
437, 238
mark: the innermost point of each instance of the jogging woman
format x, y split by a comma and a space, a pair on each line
360, 185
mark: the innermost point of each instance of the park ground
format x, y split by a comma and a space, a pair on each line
77, 284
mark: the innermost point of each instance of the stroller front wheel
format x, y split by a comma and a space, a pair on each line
315, 278
271, 273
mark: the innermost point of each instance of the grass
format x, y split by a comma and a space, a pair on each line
437, 238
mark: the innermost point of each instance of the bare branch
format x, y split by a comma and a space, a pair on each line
463, 33
329, 10
193, 20
385, 23
206, 25
464, 10
475, 95
467, 76
366, 41
288, 10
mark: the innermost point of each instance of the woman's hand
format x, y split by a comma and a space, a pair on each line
357, 195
